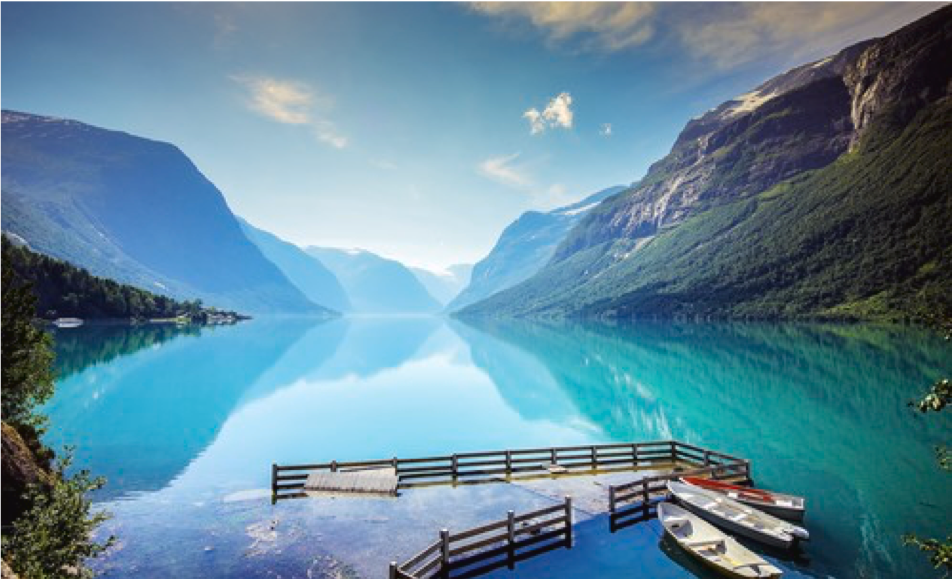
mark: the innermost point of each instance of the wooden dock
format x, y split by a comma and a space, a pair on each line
369, 481
476, 551
289, 481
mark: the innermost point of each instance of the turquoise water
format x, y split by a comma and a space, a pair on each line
185, 425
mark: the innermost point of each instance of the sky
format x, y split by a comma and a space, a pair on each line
416, 131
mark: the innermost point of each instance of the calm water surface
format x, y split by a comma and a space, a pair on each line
185, 426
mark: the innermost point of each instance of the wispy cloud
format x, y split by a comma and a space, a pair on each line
722, 34
603, 25
730, 34
505, 170
605, 130
291, 103
558, 113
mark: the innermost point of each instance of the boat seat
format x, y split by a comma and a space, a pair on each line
742, 565
739, 517
704, 543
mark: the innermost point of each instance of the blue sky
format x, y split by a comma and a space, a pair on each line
417, 131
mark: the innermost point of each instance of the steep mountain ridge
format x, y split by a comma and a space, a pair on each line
133, 210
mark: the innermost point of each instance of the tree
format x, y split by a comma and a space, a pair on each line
27, 355
52, 538
936, 399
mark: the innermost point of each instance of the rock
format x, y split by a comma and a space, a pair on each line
7, 572
19, 470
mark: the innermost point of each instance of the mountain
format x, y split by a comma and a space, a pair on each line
524, 247
823, 193
307, 273
444, 286
374, 284
133, 210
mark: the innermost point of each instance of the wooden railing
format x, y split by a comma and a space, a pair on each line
288, 481
647, 491
506, 541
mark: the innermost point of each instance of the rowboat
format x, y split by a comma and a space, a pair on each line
787, 507
710, 546
736, 517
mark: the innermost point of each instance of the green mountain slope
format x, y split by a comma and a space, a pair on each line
865, 236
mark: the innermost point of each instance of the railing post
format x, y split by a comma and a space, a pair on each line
634, 455
274, 478
569, 521
553, 457
508, 462
396, 465
747, 470
674, 450
511, 537
393, 570
333, 466
611, 499
594, 457
455, 466
644, 497
707, 457
445, 548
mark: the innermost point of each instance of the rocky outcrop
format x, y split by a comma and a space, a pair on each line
742, 148
20, 469
902, 72
7, 572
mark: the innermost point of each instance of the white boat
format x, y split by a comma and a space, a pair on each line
67, 322
781, 505
736, 517
713, 548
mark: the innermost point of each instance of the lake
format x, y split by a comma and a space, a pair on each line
185, 424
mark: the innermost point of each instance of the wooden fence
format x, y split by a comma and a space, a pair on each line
645, 492
503, 542
288, 481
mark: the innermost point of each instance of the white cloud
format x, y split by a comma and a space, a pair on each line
603, 25
291, 103
724, 34
327, 132
605, 130
505, 170
731, 34
558, 113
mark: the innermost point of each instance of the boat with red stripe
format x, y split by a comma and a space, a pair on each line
789, 507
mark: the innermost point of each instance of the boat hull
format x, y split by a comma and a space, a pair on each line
737, 528
793, 512
728, 557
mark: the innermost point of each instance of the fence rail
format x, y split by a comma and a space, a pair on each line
288, 481
506, 541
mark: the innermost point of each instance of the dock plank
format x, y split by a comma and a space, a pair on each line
377, 481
